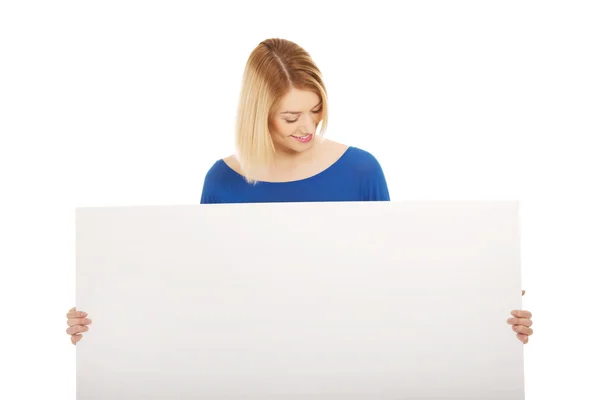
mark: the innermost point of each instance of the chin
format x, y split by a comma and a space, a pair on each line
302, 148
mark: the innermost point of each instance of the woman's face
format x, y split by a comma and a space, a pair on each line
294, 124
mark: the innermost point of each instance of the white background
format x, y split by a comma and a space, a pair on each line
129, 103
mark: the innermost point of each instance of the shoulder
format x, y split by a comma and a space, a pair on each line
362, 161
218, 179
217, 171
366, 170
351, 155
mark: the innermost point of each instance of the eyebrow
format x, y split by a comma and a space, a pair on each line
298, 112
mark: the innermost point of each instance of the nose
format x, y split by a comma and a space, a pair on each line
307, 124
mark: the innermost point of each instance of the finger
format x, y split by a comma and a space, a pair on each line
523, 329
521, 313
76, 338
76, 314
523, 338
77, 329
522, 292
79, 321
520, 321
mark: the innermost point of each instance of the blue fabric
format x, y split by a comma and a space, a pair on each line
355, 176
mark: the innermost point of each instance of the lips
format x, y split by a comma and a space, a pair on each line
303, 139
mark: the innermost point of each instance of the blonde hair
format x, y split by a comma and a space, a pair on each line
274, 67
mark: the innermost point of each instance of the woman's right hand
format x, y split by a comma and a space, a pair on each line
78, 323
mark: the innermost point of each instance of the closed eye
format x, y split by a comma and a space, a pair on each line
314, 112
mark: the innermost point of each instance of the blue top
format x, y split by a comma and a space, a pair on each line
355, 176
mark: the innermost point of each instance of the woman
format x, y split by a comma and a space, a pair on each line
280, 155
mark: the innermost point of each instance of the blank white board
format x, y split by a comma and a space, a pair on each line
369, 301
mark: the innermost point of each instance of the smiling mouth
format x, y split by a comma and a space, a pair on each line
303, 139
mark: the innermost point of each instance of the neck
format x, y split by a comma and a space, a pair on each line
286, 159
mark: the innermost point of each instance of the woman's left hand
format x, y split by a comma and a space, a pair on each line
521, 323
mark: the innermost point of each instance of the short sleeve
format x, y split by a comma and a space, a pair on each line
377, 189
206, 197
374, 185
210, 192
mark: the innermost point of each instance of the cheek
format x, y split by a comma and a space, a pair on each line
281, 128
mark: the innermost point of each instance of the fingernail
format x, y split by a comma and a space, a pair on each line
514, 328
87, 320
85, 314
